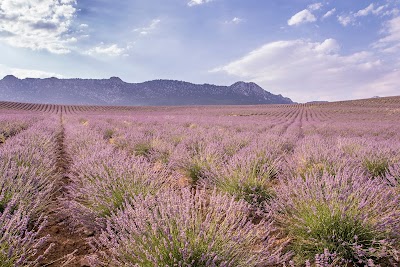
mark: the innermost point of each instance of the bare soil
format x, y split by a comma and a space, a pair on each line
70, 244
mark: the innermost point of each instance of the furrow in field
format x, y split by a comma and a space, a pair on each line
70, 245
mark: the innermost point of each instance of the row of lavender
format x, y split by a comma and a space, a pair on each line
297, 186
12, 125
28, 155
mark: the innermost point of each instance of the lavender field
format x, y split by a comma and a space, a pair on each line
274, 185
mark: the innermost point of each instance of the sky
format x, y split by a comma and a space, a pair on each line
305, 50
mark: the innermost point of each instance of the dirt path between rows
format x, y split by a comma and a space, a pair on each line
70, 245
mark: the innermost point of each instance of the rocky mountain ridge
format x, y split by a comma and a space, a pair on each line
116, 92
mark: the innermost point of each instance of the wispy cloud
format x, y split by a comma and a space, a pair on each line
391, 41
329, 13
346, 19
148, 29
37, 24
235, 20
198, 2
315, 6
370, 10
303, 16
111, 50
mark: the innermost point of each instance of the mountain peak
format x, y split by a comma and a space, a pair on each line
247, 88
10, 78
116, 79
242, 83
246, 85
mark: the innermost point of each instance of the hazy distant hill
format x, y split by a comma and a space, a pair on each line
114, 91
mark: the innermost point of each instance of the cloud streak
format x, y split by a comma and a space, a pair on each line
148, 29
329, 13
370, 10
112, 50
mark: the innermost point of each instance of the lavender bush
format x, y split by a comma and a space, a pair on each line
104, 178
28, 166
28, 173
19, 242
104, 186
10, 127
316, 155
196, 159
250, 177
393, 176
186, 228
350, 215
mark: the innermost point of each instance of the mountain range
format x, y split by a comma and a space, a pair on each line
115, 92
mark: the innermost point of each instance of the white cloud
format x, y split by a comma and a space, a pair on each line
370, 10
366, 11
112, 50
235, 20
148, 29
26, 73
391, 12
345, 20
391, 41
306, 70
198, 2
303, 16
386, 85
329, 13
393, 30
381, 11
315, 6
37, 24
329, 46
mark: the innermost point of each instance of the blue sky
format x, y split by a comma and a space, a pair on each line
306, 50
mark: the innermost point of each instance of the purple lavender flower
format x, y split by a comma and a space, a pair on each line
185, 228
350, 215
